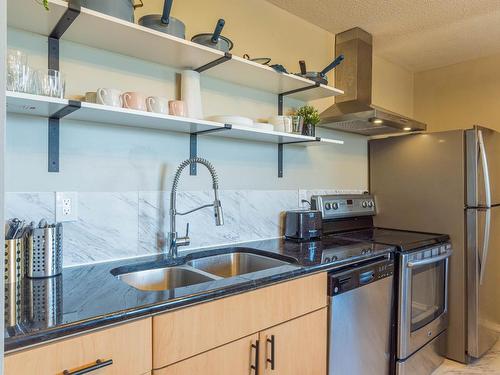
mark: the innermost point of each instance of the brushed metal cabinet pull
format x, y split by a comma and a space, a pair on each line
98, 364
255, 366
271, 360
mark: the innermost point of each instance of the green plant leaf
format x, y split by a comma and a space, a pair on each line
46, 4
310, 114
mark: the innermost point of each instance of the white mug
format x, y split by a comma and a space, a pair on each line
281, 123
112, 97
157, 104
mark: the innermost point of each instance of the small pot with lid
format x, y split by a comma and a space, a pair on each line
123, 9
215, 39
164, 23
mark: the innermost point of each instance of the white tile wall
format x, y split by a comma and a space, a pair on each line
114, 225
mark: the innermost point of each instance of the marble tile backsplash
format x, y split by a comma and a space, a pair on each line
118, 225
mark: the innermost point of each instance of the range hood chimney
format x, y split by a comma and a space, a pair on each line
354, 111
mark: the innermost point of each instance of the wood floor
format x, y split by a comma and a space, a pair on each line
488, 365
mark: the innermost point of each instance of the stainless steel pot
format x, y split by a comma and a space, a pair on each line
123, 9
164, 23
215, 40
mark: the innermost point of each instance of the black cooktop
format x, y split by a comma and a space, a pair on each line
333, 249
402, 239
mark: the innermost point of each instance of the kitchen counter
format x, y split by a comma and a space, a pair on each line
90, 296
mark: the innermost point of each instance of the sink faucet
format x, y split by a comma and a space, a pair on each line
174, 241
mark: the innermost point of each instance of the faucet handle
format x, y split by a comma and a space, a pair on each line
184, 241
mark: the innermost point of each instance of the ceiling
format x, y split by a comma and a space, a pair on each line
417, 34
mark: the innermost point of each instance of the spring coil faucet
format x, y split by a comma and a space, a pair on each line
174, 240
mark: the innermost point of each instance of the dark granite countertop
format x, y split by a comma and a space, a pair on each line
90, 296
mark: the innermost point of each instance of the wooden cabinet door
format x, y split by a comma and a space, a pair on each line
236, 358
300, 346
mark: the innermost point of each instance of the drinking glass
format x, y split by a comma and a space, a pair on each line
49, 83
297, 124
18, 71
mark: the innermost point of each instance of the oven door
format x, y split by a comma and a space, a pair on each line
423, 298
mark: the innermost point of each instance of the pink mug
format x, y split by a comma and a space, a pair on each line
134, 100
177, 108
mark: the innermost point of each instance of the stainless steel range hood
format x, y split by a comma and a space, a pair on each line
354, 112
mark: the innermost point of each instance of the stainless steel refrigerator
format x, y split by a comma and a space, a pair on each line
449, 182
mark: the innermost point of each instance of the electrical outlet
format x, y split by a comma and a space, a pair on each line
66, 206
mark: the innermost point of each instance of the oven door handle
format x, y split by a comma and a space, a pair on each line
430, 260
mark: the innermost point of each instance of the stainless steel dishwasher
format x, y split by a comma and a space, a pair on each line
360, 316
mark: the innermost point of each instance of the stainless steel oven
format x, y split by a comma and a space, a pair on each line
423, 299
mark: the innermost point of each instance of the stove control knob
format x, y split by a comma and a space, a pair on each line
370, 204
364, 204
335, 206
328, 206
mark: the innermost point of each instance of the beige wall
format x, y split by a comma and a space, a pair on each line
392, 87
460, 95
261, 29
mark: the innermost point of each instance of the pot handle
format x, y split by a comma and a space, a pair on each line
140, 5
303, 69
167, 8
334, 63
218, 31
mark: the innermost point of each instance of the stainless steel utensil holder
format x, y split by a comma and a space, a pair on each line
44, 254
44, 301
14, 260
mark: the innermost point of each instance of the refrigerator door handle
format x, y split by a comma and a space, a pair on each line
486, 245
486, 171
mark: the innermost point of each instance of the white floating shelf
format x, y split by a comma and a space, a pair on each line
34, 105
112, 34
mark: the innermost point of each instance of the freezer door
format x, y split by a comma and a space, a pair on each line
483, 167
483, 279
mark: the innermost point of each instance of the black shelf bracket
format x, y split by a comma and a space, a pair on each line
60, 28
283, 94
280, 153
193, 145
62, 25
53, 133
227, 56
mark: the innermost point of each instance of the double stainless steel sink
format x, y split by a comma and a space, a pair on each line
200, 270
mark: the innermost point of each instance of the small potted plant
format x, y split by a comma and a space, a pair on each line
311, 119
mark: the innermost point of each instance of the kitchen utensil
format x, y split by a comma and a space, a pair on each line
44, 254
235, 120
177, 108
164, 23
318, 77
134, 100
191, 93
215, 40
123, 9
91, 97
303, 224
297, 124
281, 123
258, 60
157, 104
42, 224
111, 97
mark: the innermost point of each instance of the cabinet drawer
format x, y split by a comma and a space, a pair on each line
231, 359
127, 345
187, 332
